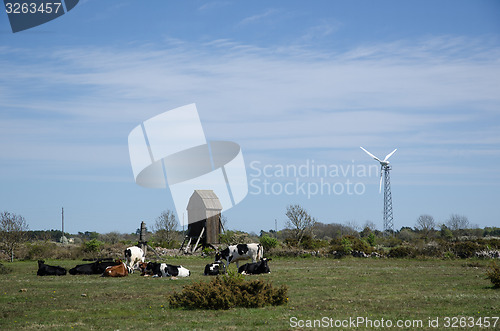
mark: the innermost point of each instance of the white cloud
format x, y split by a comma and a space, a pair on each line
258, 17
415, 94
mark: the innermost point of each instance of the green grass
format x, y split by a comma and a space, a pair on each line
318, 287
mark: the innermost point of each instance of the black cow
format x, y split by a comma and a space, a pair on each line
257, 268
216, 268
95, 268
48, 270
166, 270
235, 253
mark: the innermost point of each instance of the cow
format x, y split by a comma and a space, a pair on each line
164, 270
257, 268
235, 253
94, 268
48, 270
134, 255
120, 270
216, 268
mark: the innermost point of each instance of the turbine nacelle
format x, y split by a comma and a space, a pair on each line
383, 163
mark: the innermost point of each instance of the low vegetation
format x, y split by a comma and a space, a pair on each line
493, 274
229, 291
415, 289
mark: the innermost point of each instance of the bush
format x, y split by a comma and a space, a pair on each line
432, 250
402, 251
293, 252
466, 249
347, 244
493, 274
311, 243
228, 291
390, 241
4, 270
268, 242
371, 239
92, 246
234, 237
40, 250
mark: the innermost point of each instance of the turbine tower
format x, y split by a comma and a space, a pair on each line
385, 173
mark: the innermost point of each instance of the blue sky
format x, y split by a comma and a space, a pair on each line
295, 83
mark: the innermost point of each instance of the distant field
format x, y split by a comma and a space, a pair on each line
319, 289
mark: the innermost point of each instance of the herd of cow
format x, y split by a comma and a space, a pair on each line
135, 260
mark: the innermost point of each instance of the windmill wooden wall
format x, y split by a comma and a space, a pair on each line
204, 211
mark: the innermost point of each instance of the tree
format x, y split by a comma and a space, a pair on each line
165, 227
457, 222
13, 231
425, 224
299, 221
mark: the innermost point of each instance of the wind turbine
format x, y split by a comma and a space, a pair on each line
385, 169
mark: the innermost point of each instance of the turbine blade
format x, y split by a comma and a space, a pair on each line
376, 158
380, 188
390, 154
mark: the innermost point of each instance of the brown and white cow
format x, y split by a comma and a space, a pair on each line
120, 270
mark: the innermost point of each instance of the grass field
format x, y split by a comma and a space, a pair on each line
319, 289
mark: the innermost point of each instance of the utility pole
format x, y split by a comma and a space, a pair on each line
63, 239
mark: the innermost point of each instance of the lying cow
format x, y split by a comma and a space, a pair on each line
49, 270
120, 270
235, 253
94, 268
257, 268
216, 268
133, 256
164, 270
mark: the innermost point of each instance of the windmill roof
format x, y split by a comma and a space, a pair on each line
206, 197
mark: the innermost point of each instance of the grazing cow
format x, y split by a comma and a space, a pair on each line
134, 255
94, 268
240, 252
165, 270
48, 270
120, 270
216, 268
257, 268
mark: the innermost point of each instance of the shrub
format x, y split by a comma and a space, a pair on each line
233, 237
371, 239
466, 249
362, 246
402, 251
493, 274
347, 244
92, 246
228, 291
432, 250
40, 250
4, 270
293, 252
311, 243
268, 242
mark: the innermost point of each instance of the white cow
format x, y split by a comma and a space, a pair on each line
134, 255
235, 253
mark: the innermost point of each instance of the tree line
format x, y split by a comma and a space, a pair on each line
301, 230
